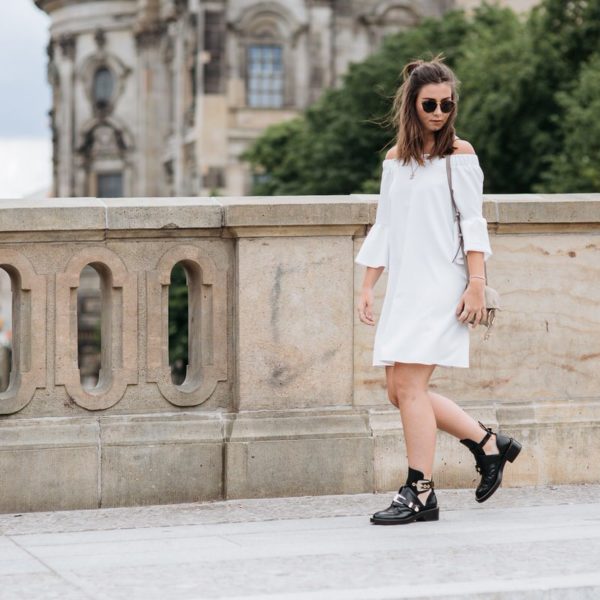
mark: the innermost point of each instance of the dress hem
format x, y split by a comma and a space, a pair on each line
418, 362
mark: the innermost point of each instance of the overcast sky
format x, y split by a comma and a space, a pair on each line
25, 149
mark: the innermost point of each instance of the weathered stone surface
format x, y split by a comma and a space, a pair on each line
291, 210
57, 214
316, 452
294, 336
281, 398
161, 472
48, 464
162, 213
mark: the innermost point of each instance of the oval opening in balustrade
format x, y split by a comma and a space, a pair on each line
179, 297
89, 327
6, 330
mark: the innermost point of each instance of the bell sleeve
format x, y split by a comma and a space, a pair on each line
467, 182
374, 251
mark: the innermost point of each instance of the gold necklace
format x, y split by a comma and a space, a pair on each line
413, 170
412, 174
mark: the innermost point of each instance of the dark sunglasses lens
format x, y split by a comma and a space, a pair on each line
429, 105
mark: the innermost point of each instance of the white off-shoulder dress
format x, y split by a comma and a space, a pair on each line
415, 237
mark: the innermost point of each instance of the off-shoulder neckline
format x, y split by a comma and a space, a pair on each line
454, 158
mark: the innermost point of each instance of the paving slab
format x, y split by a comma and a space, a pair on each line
529, 543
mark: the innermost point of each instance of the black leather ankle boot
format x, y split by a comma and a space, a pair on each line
490, 466
406, 506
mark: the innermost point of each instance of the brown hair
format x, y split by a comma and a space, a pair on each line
409, 137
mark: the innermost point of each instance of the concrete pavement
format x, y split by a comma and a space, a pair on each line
522, 543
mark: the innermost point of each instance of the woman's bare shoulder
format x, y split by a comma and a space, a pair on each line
391, 153
463, 147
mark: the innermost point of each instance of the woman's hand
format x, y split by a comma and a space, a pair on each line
365, 306
472, 303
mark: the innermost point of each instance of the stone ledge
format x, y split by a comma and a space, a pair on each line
60, 432
52, 214
178, 428
162, 213
293, 210
244, 427
173, 214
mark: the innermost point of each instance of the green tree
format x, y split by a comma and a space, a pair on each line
564, 36
576, 166
494, 70
516, 75
178, 324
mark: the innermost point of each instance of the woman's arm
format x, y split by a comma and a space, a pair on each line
475, 264
473, 299
374, 253
472, 302
365, 302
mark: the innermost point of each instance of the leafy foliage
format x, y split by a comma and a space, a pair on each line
575, 167
178, 324
492, 107
522, 78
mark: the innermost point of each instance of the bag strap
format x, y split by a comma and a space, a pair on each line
457, 219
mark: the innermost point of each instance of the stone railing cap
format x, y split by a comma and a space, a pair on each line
69, 214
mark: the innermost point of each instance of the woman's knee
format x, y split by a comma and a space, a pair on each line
392, 397
399, 394
407, 382
405, 392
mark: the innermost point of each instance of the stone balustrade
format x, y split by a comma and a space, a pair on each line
280, 398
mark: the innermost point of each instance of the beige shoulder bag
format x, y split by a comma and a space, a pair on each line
492, 298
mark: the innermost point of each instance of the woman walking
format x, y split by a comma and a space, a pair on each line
429, 302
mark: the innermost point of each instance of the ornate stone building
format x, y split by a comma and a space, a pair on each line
160, 97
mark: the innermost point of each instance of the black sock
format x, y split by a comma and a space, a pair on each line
413, 476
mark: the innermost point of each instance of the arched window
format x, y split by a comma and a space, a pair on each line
103, 87
265, 76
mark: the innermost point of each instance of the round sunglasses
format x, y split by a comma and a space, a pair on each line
430, 105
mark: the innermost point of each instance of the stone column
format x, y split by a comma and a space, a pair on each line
179, 116
152, 117
65, 65
320, 47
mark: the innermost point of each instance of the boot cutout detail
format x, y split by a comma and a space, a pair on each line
490, 466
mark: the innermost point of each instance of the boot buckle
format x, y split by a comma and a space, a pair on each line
399, 499
422, 485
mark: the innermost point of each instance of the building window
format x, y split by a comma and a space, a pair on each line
104, 87
214, 46
110, 185
265, 76
214, 178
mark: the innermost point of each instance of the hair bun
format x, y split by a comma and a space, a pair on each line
410, 67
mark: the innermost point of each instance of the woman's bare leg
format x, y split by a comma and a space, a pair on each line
452, 419
449, 417
407, 385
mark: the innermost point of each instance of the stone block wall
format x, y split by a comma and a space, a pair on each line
280, 398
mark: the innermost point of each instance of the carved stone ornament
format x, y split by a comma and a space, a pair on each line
207, 324
101, 59
119, 329
29, 332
